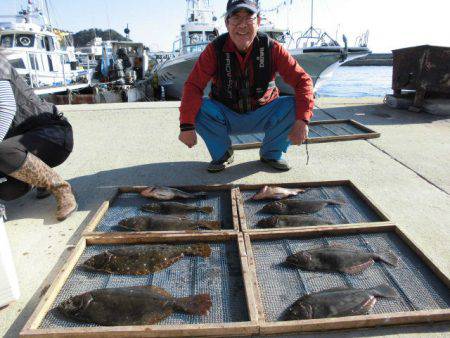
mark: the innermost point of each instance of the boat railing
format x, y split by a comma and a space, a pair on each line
32, 72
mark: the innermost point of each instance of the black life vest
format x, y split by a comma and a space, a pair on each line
234, 88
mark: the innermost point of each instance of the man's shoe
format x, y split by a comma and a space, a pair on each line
281, 165
219, 165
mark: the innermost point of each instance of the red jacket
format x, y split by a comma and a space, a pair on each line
205, 69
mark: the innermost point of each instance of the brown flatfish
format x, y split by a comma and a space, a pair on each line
175, 208
295, 207
338, 302
276, 193
286, 221
166, 193
339, 258
136, 305
166, 223
142, 260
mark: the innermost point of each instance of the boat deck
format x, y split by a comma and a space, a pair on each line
405, 172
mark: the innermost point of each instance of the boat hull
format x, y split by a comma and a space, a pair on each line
172, 74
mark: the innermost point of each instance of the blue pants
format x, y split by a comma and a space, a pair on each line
215, 122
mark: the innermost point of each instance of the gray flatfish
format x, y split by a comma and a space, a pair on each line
338, 258
136, 305
338, 302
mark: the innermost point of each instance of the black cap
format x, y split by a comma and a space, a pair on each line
235, 5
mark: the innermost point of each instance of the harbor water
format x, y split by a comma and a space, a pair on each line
364, 81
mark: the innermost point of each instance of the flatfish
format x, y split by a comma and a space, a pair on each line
136, 305
276, 193
175, 208
285, 221
338, 302
295, 207
166, 223
166, 193
142, 260
339, 258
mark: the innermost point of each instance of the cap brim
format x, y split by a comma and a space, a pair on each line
251, 9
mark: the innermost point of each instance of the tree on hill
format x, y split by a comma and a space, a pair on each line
82, 38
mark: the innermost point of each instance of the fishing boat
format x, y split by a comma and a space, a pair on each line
315, 51
40, 53
199, 29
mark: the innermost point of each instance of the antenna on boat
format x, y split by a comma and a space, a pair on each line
127, 32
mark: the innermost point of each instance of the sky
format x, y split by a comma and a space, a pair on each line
391, 24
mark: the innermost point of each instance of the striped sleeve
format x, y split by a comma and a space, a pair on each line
7, 107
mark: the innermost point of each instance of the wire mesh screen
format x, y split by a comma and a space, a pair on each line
316, 131
128, 205
355, 209
219, 275
280, 285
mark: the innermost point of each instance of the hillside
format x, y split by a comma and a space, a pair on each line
83, 37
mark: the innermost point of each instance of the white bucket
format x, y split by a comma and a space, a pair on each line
9, 285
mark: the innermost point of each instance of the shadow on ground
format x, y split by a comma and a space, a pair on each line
92, 190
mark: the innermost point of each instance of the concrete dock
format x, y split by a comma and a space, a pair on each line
405, 171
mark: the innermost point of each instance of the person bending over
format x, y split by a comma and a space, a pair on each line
34, 137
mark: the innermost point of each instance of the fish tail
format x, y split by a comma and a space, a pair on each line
211, 225
338, 201
201, 249
383, 290
206, 210
195, 305
388, 257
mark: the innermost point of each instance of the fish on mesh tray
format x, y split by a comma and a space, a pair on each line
276, 193
142, 260
166, 193
295, 207
339, 258
175, 208
166, 223
285, 221
136, 305
338, 302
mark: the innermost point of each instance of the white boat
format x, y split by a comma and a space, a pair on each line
34, 49
199, 29
316, 52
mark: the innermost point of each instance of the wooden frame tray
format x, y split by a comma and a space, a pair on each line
106, 205
383, 218
351, 322
32, 327
366, 133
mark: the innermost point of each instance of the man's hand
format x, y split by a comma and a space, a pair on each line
299, 132
188, 137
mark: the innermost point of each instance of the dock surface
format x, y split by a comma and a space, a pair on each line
405, 172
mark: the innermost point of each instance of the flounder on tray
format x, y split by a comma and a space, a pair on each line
143, 259
276, 193
166, 193
136, 305
339, 258
338, 302
166, 223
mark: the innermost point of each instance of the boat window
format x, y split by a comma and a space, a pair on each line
24, 40
17, 63
49, 44
40, 43
33, 62
6, 40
